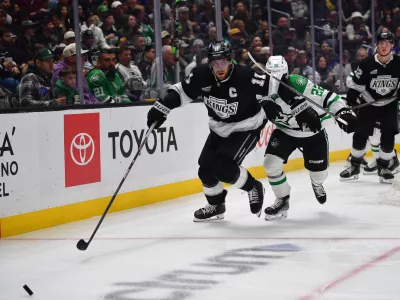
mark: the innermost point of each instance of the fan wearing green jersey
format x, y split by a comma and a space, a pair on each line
104, 81
289, 135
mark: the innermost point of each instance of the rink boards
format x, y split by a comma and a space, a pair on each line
63, 166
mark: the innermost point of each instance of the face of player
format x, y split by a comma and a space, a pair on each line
69, 80
221, 68
384, 48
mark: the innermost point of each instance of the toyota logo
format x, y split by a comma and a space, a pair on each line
82, 147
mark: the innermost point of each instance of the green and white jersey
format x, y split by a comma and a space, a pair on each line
104, 89
327, 99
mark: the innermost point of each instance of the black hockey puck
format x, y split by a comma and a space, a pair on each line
28, 290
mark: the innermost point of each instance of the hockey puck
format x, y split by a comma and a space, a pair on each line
28, 290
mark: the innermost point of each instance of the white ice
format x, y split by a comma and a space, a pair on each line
348, 248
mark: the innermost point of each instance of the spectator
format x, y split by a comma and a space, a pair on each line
145, 64
35, 89
290, 56
109, 30
88, 43
104, 81
346, 68
65, 86
168, 72
201, 57
183, 17
139, 44
304, 69
212, 34
99, 40
237, 39
69, 38
64, 17
265, 54
242, 57
263, 33
69, 61
280, 35
130, 29
326, 52
326, 76
8, 48
145, 30
166, 38
26, 43
46, 35
119, 14
129, 71
361, 54
357, 30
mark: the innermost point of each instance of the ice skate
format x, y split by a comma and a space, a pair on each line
319, 192
364, 162
278, 210
385, 176
210, 213
371, 169
256, 198
394, 165
353, 171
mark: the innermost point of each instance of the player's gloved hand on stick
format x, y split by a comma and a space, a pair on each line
348, 116
305, 115
158, 113
272, 110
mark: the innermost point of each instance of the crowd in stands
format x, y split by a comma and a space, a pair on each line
38, 51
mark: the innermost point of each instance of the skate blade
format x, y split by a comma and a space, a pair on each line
370, 173
278, 216
385, 181
215, 218
349, 178
395, 171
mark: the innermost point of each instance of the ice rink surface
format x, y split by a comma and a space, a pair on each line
348, 248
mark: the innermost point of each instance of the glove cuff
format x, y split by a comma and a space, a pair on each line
162, 108
299, 108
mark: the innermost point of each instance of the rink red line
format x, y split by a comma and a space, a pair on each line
322, 289
208, 238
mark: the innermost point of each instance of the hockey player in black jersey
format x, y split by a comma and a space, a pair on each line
376, 81
232, 95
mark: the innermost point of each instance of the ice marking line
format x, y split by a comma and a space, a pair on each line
322, 289
210, 238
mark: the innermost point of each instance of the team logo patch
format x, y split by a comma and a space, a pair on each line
275, 143
221, 106
384, 85
301, 81
94, 78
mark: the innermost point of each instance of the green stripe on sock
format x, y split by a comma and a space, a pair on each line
278, 182
375, 149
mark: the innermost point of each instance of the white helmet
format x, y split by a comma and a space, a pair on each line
277, 66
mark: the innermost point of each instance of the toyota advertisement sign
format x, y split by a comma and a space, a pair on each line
82, 149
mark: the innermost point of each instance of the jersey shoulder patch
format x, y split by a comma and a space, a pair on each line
298, 82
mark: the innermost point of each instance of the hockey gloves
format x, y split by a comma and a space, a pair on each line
272, 110
158, 113
305, 115
348, 116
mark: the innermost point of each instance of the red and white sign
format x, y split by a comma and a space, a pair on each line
82, 149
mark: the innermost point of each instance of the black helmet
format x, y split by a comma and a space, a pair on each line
219, 50
385, 36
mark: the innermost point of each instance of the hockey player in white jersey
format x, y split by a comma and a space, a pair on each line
288, 136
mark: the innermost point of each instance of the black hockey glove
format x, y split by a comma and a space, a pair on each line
272, 110
305, 115
347, 116
158, 113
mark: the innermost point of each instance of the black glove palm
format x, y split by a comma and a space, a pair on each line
272, 110
305, 115
158, 113
347, 116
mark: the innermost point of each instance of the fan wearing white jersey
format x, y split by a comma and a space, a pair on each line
289, 136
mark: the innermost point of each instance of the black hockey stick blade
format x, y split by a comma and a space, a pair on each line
82, 245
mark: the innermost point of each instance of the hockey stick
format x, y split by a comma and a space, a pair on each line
367, 104
82, 245
298, 93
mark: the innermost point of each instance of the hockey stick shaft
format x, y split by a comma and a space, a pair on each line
366, 104
295, 91
84, 244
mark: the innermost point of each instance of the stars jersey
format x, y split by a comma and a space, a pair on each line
233, 104
374, 82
